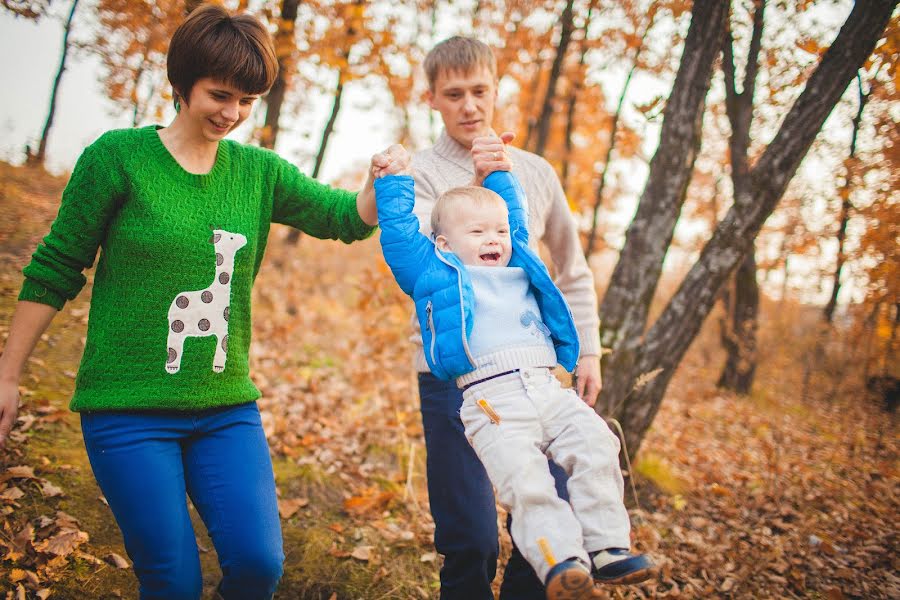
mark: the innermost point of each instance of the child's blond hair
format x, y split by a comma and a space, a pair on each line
454, 197
458, 54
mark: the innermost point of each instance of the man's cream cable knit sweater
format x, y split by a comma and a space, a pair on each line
448, 164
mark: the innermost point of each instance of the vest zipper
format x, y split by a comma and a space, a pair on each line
430, 318
462, 312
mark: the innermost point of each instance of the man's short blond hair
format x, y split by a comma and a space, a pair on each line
458, 54
450, 201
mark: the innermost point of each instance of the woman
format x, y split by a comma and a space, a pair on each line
182, 218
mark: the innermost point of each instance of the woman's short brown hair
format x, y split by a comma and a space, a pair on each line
236, 49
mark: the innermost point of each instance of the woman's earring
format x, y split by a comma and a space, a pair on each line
177, 106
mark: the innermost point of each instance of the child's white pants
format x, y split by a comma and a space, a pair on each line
514, 422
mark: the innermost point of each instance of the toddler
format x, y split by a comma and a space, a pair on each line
493, 321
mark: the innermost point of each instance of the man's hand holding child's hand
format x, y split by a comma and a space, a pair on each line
393, 161
489, 155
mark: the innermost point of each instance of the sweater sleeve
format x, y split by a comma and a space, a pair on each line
90, 200
572, 275
315, 208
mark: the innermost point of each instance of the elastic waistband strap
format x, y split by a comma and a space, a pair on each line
495, 376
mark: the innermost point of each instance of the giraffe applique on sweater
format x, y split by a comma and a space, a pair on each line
204, 312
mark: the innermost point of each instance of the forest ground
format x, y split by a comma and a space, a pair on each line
773, 495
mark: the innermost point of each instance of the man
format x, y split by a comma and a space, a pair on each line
462, 82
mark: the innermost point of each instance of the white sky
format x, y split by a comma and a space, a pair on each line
83, 112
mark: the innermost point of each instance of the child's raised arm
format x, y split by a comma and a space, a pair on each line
493, 167
405, 249
507, 186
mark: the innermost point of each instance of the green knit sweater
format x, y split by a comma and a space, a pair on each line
169, 326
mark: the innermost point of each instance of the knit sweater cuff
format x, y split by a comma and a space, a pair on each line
589, 341
32, 291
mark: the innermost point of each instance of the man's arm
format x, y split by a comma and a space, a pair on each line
574, 278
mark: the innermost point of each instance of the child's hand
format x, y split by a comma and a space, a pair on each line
489, 155
393, 161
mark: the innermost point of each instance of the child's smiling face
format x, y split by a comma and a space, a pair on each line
478, 233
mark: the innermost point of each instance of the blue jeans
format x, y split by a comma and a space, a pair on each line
463, 505
145, 463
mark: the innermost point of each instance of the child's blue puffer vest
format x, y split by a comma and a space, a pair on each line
439, 283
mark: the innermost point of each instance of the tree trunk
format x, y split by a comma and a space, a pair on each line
136, 112
284, 48
611, 143
329, 127
576, 86
546, 114
740, 365
787, 273
532, 120
294, 234
624, 308
846, 206
890, 357
871, 325
138, 108
39, 157
740, 347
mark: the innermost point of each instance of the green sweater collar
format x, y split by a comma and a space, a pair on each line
176, 171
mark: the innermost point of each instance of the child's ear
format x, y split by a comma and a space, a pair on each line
442, 244
429, 98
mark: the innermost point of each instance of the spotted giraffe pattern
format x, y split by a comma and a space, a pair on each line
202, 313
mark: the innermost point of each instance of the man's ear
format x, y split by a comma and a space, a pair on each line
442, 244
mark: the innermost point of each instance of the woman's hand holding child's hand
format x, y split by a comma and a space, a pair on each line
393, 161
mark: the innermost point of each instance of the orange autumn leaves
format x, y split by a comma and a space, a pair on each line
41, 548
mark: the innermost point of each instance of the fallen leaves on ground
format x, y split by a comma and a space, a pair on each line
287, 508
116, 561
759, 497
